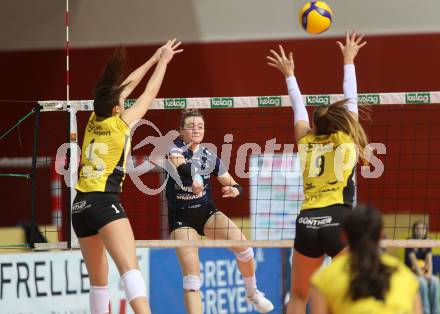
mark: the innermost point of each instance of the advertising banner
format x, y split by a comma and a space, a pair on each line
55, 283
223, 290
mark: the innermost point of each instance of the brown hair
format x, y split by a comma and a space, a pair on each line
108, 89
188, 113
369, 277
413, 229
336, 117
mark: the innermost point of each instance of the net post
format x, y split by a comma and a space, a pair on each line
164, 233
36, 109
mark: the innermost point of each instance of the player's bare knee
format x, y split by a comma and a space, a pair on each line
126, 265
98, 280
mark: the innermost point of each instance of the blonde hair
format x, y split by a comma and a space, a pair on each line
336, 117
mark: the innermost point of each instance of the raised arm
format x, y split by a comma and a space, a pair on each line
286, 67
140, 107
137, 75
353, 43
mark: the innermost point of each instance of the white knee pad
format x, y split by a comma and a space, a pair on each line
99, 299
246, 255
134, 284
191, 283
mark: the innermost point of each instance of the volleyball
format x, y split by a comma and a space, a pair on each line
315, 17
421, 264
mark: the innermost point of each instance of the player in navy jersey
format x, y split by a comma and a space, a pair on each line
192, 212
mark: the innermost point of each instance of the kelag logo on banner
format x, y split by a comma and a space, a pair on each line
223, 290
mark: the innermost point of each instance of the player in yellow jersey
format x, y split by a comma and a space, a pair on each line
98, 218
328, 157
365, 280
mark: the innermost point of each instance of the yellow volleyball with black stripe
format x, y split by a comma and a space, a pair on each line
315, 17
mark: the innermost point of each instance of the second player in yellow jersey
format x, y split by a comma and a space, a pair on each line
328, 163
328, 156
333, 283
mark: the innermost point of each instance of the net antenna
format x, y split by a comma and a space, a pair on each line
73, 138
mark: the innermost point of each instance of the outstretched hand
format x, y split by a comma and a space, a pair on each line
353, 42
167, 51
282, 62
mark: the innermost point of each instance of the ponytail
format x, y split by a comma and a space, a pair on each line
108, 89
369, 277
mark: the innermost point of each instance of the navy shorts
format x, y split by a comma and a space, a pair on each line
193, 216
92, 211
318, 231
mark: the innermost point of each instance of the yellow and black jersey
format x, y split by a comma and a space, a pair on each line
104, 151
333, 282
328, 163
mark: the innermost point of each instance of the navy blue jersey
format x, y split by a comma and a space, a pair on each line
203, 162
420, 254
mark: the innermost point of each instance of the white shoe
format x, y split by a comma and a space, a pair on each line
262, 304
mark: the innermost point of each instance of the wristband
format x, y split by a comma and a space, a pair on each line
239, 188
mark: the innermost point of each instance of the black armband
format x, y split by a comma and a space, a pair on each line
239, 188
184, 171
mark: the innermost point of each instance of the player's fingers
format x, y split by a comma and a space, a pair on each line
273, 65
272, 59
353, 35
283, 55
275, 54
359, 39
340, 45
175, 45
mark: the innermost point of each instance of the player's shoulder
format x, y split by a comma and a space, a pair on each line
308, 138
336, 267
396, 263
112, 122
178, 143
340, 137
178, 147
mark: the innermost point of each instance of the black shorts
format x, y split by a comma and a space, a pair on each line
193, 216
318, 231
92, 211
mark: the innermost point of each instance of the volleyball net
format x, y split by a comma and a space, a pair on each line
254, 137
